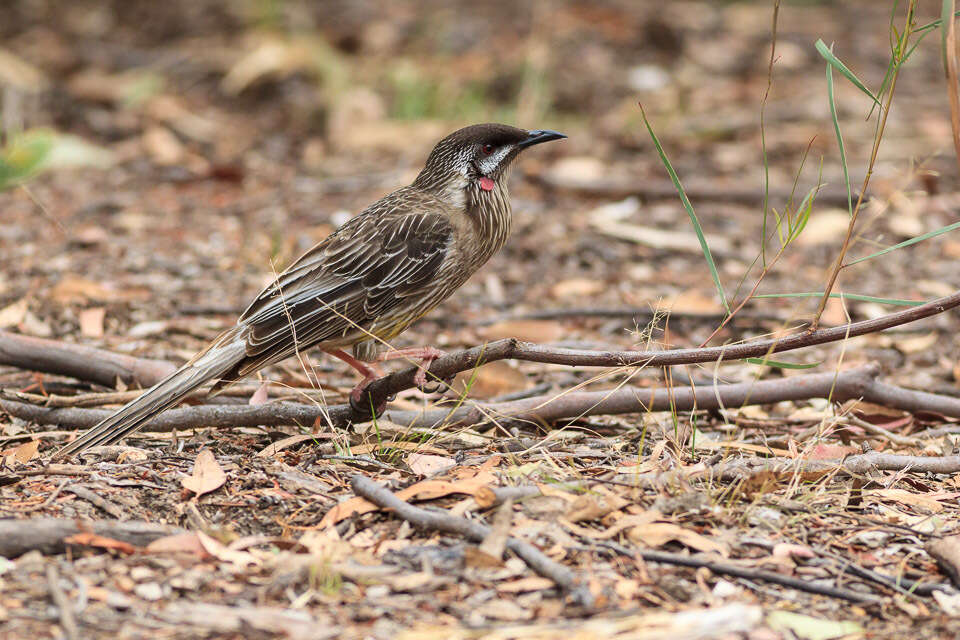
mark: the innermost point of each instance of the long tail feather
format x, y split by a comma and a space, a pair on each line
212, 363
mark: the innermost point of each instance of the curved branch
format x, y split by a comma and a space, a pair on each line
449, 365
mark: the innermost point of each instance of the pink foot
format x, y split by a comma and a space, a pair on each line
426, 355
370, 372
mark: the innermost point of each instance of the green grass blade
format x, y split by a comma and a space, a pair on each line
907, 243
776, 216
846, 296
946, 9
806, 208
833, 61
689, 207
780, 364
836, 128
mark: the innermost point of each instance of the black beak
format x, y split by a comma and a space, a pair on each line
540, 135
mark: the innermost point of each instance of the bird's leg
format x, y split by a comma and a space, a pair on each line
370, 372
425, 355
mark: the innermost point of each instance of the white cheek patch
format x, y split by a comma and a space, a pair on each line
488, 164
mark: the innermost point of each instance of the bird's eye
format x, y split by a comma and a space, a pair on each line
487, 149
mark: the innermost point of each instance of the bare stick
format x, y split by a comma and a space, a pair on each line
79, 361
440, 521
47, 534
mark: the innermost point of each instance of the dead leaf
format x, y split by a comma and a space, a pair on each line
924, 501
525, 585
13, 314
87, 539
491, 380
593, 507
527, 330
162, 146
656, 534
178, 543
916, 344
260, 395
207, 474
91, 322
829, 452
662, 239
692, 301
224, 553
480, 559
577, 288
426, 465
26, 452
20, 74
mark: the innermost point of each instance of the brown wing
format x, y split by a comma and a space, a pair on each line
375, 265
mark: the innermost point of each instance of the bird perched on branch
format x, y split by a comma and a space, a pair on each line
366, 282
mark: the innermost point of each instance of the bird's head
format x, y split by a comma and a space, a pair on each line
476, 158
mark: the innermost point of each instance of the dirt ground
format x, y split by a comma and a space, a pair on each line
242, 133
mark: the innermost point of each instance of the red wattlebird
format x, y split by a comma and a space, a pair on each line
367, 281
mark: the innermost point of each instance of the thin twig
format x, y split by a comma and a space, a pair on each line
67, 620
722, 568
838, 264
439, 521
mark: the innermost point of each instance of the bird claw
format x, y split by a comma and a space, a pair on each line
437, 386
361, 402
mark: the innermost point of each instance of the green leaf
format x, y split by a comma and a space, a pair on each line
779, 364
907, 243
846, 296
689, 207
810, 628
776, 217
833, 61
836, 129
806, 208
38, 150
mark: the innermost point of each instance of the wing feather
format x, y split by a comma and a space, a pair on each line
373, 266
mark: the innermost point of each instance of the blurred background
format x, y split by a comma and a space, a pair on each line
221, 138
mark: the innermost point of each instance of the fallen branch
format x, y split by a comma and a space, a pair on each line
860, 464
79, 361
449, 365
47, 534
439, 521
859, 383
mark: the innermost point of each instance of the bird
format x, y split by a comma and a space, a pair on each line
364, 283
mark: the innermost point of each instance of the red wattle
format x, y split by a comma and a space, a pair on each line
486, 184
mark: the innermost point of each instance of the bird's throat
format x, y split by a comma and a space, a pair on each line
487, 184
